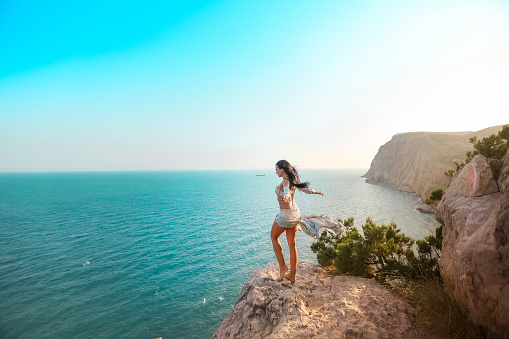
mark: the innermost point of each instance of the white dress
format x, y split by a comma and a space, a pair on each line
311, 224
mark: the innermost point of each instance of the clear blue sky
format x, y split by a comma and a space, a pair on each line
140, 85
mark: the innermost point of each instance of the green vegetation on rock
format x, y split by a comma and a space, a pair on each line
494, 146
449, 173
387, 255
435, 195
382, 252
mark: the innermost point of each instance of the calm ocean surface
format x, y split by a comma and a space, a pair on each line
155, 254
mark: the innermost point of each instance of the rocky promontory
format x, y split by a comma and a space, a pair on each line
415, 162
474, 210
475, 251
320, 304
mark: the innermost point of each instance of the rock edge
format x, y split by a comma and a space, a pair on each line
320, 304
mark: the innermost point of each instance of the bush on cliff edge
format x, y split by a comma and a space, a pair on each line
381, 252
494, 146
387, 255
435, 195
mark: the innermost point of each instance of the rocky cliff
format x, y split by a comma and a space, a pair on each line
319, 305
416, 162
475, 251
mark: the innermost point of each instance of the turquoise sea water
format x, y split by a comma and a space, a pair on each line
155, 254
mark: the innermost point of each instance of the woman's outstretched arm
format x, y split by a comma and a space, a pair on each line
309, 191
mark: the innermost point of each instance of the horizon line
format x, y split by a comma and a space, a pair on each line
165, 170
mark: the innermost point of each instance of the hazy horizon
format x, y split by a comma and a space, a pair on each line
264, 171
226, 85
261, 170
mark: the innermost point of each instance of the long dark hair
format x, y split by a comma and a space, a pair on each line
293, 175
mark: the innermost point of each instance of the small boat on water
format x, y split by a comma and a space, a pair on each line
260, 175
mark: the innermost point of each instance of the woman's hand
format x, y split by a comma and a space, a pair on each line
319, 192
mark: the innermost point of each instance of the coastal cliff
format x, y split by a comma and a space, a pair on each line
320, 304
475, 251
474, 210
416, 162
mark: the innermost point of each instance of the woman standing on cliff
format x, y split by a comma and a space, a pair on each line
290, 220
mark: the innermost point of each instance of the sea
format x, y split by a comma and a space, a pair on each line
156, 254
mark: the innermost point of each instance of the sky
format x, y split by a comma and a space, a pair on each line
213, 85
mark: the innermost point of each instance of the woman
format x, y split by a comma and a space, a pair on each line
290, 220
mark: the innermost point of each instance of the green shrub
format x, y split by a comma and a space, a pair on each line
493, 147
450, 173
428, 255
436, 195
381, 252
386, 254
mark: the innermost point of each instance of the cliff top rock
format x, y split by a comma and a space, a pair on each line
475, 180
319, 305
475, 250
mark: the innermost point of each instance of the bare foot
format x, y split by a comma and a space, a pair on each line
289, 277
282, 271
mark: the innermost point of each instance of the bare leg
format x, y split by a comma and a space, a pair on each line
291, 237
278, 249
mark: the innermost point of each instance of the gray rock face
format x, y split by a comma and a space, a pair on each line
475, 180
475, 251
318, 305
503, 179
416, 162
425, 208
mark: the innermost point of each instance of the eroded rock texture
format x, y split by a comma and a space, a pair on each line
319, 305
475, 250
